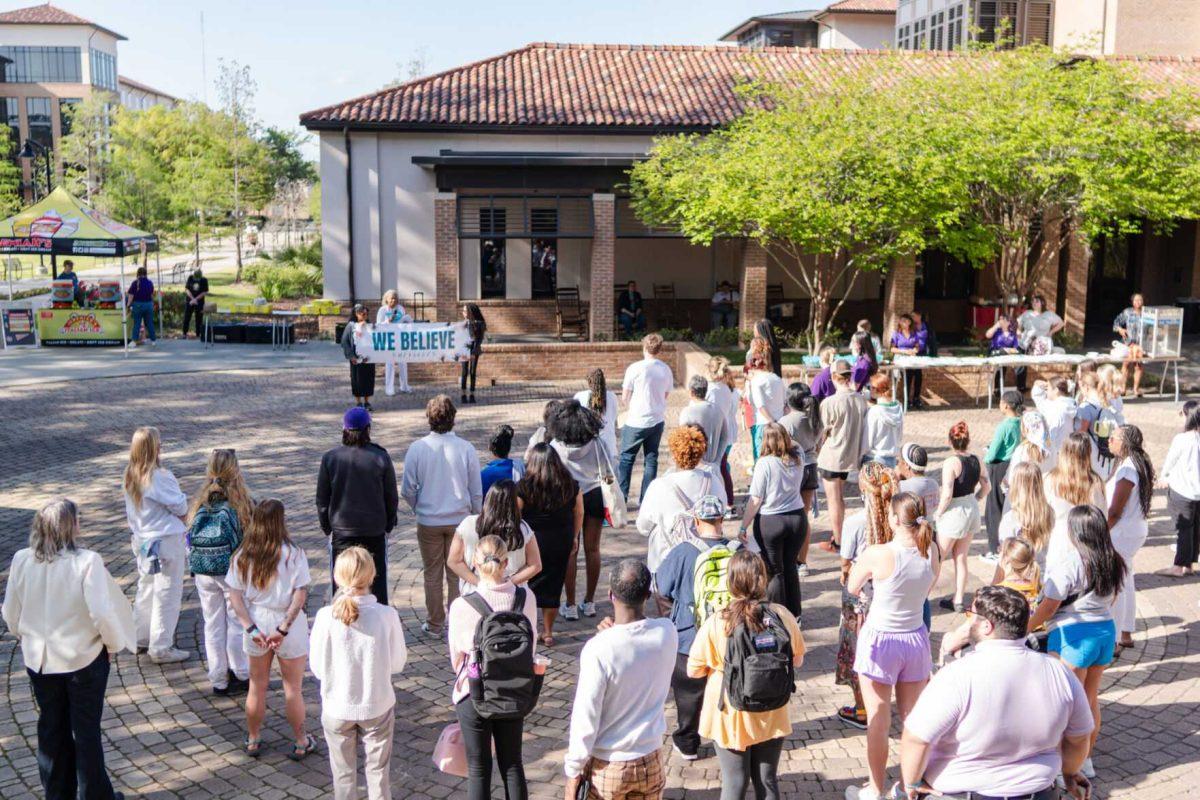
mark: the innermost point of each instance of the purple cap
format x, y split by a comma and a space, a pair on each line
356, 419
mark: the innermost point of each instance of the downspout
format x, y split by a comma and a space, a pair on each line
349, 215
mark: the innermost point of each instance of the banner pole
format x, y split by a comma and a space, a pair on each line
161, 298
124, 310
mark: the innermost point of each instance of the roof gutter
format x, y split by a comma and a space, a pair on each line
349, 214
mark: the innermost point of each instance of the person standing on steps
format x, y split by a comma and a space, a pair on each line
357, 498
476, 331
645, 389
392, 313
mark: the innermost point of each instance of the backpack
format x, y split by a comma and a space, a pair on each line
1108, 422
214, 535
500, 671
759, 675
710, 581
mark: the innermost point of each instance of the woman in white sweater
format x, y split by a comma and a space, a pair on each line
155, 507
355, 647
69, 616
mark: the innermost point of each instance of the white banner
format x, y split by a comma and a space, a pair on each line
413, 342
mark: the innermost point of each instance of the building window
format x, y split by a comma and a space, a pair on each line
40, 65
37, 110
997, 21
937, 40
65, 104
954, 27
543, 265
493, 269
902, 40
1038, 20
919, 37
942, 277
104, 70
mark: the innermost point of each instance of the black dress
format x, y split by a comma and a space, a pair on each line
552, 529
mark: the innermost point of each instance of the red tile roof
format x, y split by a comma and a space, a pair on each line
628, 88
49, 15
862, 7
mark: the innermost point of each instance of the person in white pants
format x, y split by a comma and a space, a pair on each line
154, 507
1128, 493
220, 514
356, 645
392, 312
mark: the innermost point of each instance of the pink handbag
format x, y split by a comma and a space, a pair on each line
450, 754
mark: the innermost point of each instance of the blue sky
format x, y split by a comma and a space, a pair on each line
308, 53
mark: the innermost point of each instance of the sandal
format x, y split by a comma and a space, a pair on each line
252, 747
851, 716
547, 641
300, 753
1119, 648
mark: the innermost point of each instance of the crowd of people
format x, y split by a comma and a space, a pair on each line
709, 617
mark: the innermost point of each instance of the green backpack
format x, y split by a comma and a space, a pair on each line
710, 581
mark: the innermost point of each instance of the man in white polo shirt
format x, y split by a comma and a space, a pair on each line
646, 386
1002, 722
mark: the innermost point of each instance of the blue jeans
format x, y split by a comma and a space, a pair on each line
630, 323
632, 440
143, 313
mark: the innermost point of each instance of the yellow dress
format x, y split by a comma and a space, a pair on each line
732, 729
1031, 590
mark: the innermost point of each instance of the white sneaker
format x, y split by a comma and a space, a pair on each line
683, 755
588, 609
569, 613
170, 656
430, 630
861, 793
392, 393
991, 558
1088, 769
405, 390
802, 570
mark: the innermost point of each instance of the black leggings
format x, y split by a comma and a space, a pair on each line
469, 368
780, 537
1186, 514
993, 506
478, 737
757, 764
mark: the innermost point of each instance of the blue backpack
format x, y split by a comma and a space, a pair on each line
214, 535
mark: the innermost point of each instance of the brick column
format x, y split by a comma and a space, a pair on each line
754, 284
899, 294
445, 255
1075, 303
604, 256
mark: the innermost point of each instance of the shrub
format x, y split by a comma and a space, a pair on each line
719, 338
289, 282
677, 334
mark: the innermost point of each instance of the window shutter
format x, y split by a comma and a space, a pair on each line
1039, 16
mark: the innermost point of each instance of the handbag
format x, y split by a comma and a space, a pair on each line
450, 752
615, 505
584, 789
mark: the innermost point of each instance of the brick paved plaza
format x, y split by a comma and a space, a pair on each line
167, 737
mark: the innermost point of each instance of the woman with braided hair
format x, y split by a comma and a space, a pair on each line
862, 529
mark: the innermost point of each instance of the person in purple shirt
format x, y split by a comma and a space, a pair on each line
866, 363
822, 385
907, 342
140, 298
1002, 340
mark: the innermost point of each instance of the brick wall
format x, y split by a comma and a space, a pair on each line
518, 316
445, 255
754, 285
1075, 303
603, 266
506, 363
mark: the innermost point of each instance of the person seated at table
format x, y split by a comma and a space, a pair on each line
905, 342
629, 310
725, 306
68, 274
1128, 325
1002, 340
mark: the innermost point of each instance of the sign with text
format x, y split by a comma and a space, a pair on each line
97, 327
412, 342
18, 327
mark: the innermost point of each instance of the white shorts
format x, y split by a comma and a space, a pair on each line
294, 645
960, 519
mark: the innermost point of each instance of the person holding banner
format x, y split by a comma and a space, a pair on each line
362, 372
392, 312
476, 328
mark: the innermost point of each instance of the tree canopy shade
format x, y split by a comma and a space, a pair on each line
830, 180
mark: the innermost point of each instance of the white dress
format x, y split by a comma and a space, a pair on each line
1128, 536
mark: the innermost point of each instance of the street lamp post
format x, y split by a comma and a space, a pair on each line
30, 151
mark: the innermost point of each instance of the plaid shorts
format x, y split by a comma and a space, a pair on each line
641, 779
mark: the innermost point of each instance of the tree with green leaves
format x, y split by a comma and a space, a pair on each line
84, 150
11, 200
1048, 146
291, 174
830, 179
246, 154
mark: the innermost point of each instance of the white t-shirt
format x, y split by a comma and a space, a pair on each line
767, 391
648, 382
1181, 470
1065, 575
667, 496
290, 574
608, 434
727, 400
1132, 513
777, 484
927, 489
470, 539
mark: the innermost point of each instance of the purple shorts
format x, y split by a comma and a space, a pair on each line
893, 658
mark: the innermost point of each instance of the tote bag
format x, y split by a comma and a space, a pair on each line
615, 506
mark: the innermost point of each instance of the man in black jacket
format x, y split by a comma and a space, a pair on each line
357, 496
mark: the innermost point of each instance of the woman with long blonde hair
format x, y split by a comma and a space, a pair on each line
220, 513
357, 645
268, 583
154, 507
1072, 483
1029, 516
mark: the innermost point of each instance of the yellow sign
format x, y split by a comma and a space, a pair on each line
79, 326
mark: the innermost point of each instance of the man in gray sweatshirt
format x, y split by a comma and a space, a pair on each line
708, 417
443, 485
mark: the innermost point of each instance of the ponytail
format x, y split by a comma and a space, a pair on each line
748, 590
354, 572
910, 512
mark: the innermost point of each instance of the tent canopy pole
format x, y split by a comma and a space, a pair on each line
124, 311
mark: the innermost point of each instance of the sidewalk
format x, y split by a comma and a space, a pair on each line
25, 366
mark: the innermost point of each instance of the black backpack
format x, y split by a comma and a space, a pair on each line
759, 674
500, 673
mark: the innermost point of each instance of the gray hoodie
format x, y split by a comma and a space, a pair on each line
885, 429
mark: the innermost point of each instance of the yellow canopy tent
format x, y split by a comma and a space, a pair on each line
61, 224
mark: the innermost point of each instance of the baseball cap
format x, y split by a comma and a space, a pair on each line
709, 507
356, 418
915, 456
842, 367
